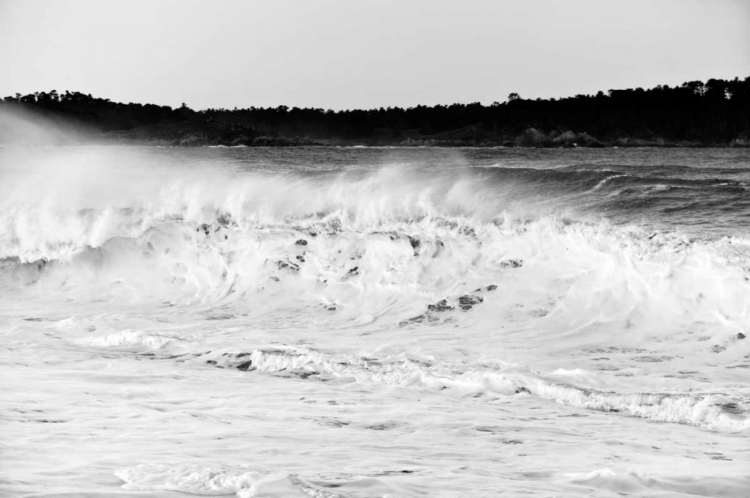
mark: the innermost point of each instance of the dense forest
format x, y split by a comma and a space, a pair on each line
714, 113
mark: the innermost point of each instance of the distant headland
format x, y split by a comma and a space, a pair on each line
694, 114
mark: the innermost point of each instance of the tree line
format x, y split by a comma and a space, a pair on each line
714, 112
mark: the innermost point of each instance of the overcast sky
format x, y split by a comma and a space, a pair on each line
364, 53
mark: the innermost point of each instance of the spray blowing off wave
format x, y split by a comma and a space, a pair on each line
57, 205
57, 228
55, 216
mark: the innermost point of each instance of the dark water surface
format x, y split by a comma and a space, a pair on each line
703, 192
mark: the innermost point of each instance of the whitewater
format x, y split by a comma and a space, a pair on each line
374, 322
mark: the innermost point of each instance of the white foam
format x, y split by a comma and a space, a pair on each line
216, 480
712, 411
706, 410
139, 339
637, 481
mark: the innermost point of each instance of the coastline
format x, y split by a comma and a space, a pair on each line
191, 136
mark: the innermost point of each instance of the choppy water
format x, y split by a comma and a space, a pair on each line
374, 322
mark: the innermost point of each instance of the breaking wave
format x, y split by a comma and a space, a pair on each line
493, 250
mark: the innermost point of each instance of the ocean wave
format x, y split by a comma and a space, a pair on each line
571, 272
487, 309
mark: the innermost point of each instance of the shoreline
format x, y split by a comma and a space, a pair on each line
355, 145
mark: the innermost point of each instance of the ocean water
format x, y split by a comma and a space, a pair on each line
365, 322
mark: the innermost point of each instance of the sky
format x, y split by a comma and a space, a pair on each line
344, 54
